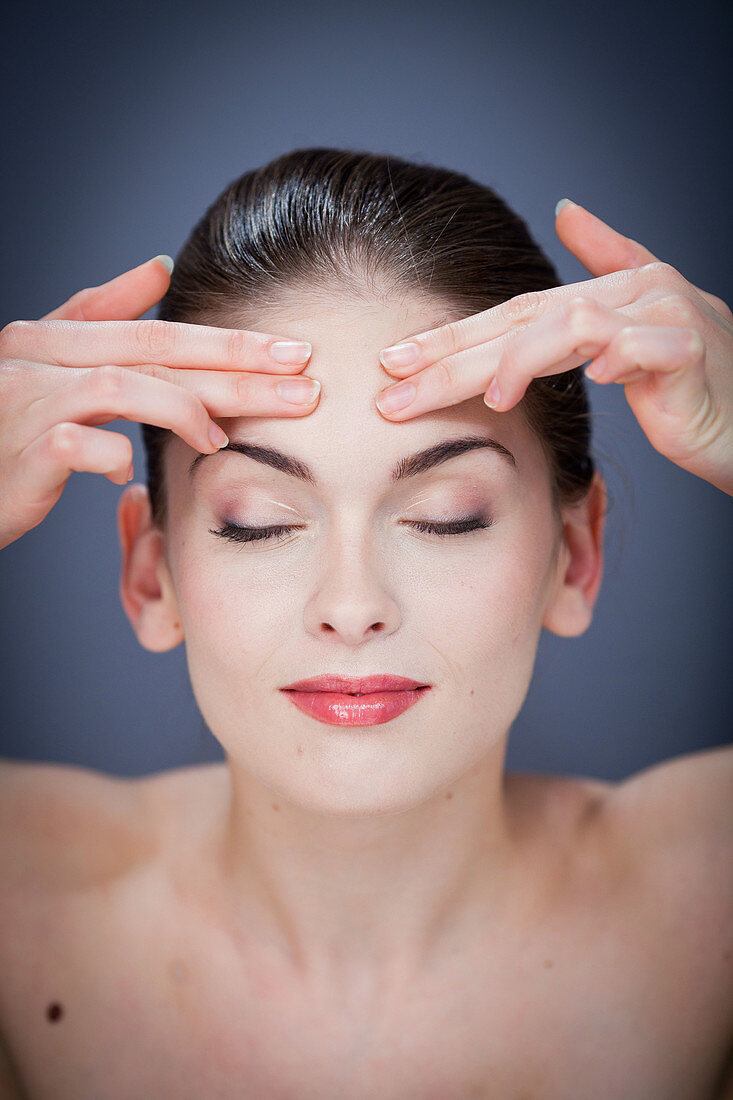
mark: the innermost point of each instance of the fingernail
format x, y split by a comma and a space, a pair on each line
396, 397
399, 355
298, 391
217, 436
597, 368
290, 351
563, 202
130, 474
166, 261
492, 395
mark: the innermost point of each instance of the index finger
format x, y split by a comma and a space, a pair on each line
168, 343
615, 290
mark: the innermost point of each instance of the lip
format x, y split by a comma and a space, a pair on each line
334, 699
349, 686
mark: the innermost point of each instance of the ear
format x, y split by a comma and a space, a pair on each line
580, 564
146, 587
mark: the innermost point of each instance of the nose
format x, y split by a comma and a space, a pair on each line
352, 601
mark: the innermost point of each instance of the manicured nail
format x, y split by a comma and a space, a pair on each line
130, 474
399, 355
290, 351
298, 391
597, 368
563, 202
166, 261
217, 436
396, 397
492, 395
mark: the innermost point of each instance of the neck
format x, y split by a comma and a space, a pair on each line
342, 898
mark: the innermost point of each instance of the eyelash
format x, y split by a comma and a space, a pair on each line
237, 533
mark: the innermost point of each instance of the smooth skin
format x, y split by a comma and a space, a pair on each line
634, 863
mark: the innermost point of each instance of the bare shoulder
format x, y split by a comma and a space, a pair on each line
63, 825
651, 859
671, 825
681, 811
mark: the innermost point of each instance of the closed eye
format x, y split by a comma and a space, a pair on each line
236, 533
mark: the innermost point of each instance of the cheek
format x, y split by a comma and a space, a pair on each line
493, 600
229, 608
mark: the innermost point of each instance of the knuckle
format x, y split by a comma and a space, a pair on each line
63, 439
454, 331
678, 308
154, 339
660, 272
627, 340
154, 370
244, 390
236, 346
109, 380
524, 307
579, 314
445, 375
12, 336
694, 343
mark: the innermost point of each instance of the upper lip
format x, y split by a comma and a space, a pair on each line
362, 686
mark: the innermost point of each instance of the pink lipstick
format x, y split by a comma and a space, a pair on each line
344, 701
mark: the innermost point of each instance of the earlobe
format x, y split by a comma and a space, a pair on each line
580, 564
146, 589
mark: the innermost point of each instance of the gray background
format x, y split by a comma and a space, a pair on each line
122, 123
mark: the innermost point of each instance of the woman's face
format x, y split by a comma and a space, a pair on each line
355, 590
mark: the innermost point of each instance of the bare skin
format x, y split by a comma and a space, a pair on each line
603, 967
607, 972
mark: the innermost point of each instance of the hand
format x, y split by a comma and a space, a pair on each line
89, 362
641, 322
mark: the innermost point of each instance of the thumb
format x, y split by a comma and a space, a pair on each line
124, 298
598, 247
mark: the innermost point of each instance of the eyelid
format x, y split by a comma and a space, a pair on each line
282, 504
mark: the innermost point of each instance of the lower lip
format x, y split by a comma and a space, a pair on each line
339, 709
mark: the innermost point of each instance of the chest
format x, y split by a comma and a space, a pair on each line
598, 1004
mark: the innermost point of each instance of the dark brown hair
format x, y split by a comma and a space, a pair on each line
359, 220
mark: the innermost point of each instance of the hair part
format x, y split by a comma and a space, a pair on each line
373, 226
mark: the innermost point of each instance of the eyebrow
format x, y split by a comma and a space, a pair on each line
409, 466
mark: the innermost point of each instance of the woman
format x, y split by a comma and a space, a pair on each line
361, 902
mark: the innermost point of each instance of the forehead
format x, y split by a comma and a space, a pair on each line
347, 329
346, 438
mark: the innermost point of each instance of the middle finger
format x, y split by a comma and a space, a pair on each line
504, 366
616, 290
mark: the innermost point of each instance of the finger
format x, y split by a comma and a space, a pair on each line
615, 291
453, 379
43, 468
169, 343
667, 356
240, 393
502, 368
109, 392
603, 250
566, 338
598, 247
112, 392
123, 298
